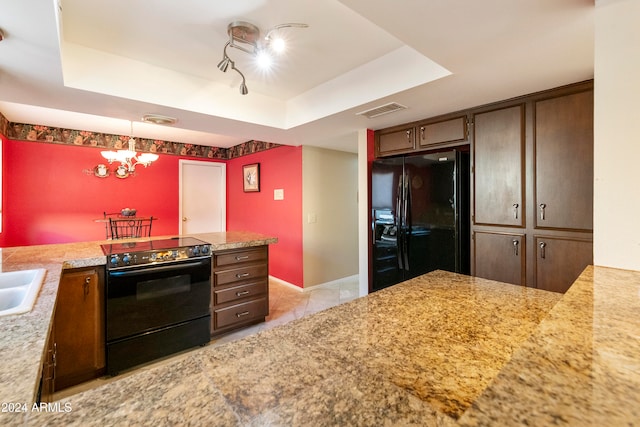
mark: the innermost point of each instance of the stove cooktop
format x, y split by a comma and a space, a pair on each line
128, 254
150, 245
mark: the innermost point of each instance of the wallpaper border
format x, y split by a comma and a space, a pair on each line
54, 135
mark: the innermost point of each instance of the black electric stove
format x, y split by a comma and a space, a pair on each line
158, 295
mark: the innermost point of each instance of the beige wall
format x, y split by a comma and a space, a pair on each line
617, 140
329, 215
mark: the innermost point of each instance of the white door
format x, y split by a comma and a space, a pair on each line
203, 193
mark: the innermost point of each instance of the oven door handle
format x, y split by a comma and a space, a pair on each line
158, 269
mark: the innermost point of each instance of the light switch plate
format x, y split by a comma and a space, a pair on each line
278, 194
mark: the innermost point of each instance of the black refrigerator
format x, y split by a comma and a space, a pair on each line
420, 216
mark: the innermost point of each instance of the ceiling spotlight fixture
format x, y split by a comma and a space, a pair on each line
158, 119
245, 36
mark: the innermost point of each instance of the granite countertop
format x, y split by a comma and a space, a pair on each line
23, 336
581, 366
441, 349
419, 352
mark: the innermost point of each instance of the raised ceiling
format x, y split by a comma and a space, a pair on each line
98, 65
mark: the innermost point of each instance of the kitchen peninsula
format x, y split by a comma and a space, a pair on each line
441, 349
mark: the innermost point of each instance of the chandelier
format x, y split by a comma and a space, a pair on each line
129, 158
245, 36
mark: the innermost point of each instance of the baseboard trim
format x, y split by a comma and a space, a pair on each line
319, 286
284, 283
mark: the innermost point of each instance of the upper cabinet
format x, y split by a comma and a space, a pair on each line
440, 132
447, 131
395, 140
499, 167
563, 146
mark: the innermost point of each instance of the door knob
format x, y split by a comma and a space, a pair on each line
184, 218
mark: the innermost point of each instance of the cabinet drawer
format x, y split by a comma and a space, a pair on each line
241, 256
240, 274
249, 290
240, 313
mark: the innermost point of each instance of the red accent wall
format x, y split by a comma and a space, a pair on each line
280, 168
47, 198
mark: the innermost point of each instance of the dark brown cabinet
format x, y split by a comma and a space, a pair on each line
240, 292
79, 327
47, 382
435, 133
446, 131
537, 148
564, 162
499, 167
500, 256
531, 179
559, 261
395, 141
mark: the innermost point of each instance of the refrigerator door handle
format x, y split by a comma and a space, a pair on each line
406, 229
399, 224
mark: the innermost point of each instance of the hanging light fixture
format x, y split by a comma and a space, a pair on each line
245, 36
129, 158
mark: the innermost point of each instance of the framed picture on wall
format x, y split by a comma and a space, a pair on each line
251, 177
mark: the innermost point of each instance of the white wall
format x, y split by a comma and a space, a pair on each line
329, 215
617, 139
364, 227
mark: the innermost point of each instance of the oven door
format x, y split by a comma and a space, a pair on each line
146, 298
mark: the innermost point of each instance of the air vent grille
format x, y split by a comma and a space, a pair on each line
383, 109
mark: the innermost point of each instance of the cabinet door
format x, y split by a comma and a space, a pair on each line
79, 326
395, 140
499, 256
560, 261
564, 162
47, 384
442, 132
499, 167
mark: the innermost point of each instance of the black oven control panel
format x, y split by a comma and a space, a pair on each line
155, 252
155, 257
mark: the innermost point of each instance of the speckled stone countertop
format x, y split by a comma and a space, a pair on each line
582, 365
419, 353
442, 349
23, 337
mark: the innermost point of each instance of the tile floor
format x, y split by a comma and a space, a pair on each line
285, 304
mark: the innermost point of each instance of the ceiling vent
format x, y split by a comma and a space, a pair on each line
383, 109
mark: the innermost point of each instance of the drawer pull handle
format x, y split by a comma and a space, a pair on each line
543, 206
242, 275
244, 313
240, 258
542, 250
242, 293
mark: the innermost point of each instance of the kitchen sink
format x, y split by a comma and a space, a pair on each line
19, 290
